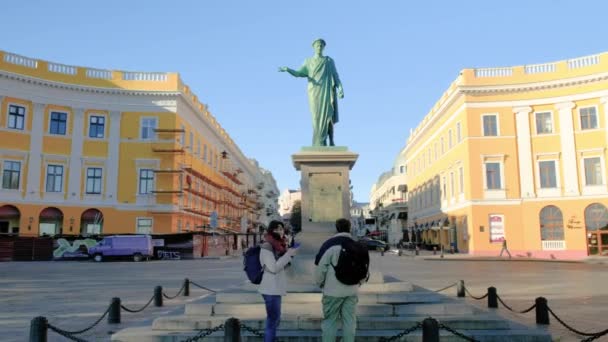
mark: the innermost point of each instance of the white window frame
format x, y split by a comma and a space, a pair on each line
548, 192
141, 127
25, 115
444, 191
142, 218
46, 177
139, 170
105, 125
20, 175
598, 188
191, 142
461, 183
67, 123
536, 132
597, 119
182, 136
198, 147
494, 193
453, 186
483, 126
458, 132
442, 146
450, 139
436, 150
101, 181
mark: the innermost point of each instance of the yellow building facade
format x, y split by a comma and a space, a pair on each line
92, 151
516, 154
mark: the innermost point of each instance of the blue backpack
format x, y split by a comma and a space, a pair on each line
253, 267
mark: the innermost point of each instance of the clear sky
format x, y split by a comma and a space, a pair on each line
395, 58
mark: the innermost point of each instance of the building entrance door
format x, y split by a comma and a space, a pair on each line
597, 243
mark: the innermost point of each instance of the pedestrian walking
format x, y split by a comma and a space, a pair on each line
504, 248
274, 257
342, 265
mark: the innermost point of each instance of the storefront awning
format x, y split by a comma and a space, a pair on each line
51, 213
8, 211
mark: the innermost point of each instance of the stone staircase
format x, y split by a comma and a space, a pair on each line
384, 310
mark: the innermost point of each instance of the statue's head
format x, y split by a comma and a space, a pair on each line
319, 41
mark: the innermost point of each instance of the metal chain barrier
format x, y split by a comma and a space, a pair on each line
401, 334
478, 298
204, 333
69, 334
510, 309
202, 287
177, 294
447, 287
138, 310
256, 332
592, 337
459, 334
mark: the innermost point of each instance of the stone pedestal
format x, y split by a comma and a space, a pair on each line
325, 186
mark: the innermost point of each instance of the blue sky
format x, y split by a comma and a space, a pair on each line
395, 58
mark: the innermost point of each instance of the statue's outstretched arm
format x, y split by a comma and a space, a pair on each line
294, 73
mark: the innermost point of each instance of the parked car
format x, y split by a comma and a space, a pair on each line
375, 245
139, 247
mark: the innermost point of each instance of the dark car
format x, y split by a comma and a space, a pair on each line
375, 245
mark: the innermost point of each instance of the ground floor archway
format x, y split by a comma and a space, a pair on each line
50, 222
91, 222
9, 219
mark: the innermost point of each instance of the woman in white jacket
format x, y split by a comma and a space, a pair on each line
274, 257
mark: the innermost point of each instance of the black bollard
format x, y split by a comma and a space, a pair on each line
430, 330
542, 311
417, 250
434, 250
382, 252
38, 329
114, 313
492, 298
442, 251
158, 296
186, 287
460, 289
232, 330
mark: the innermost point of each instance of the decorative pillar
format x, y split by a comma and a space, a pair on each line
111, 193
568, 160
35, 157
524, 155
78, 133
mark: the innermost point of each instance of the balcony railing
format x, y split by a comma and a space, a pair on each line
554, 245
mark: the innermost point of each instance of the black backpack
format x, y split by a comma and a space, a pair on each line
353, 263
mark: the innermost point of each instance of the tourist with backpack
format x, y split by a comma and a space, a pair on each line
342, 265
274, 256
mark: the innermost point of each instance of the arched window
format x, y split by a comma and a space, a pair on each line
596, 217
551, 223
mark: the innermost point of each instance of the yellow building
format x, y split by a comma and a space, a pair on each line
90, 151
516, 153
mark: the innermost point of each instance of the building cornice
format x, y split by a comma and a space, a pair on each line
82, 88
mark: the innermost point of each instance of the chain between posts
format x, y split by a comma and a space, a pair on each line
459, 334
402, 333
68, 334
202, 287
138, 310
478, 298
510, 309
445, 288
592, 336
177, 294
204, 333
256, 332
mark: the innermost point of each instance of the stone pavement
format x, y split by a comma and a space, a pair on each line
74, 294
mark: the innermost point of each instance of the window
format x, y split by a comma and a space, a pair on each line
461, 180
547, 173
146, 181
93, 180
490, 125
205, 152
450, 138
54, 178
588, 118
401, 169
596, 217
458, 133
445, 192
593, 171
144, 226
442, 146
493, 176
183, 136
148, 125
58, 123
191, 141
97, 126
10, 176
435, 151
551, 223
16, 117
544, 123
198, 147
452, 183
